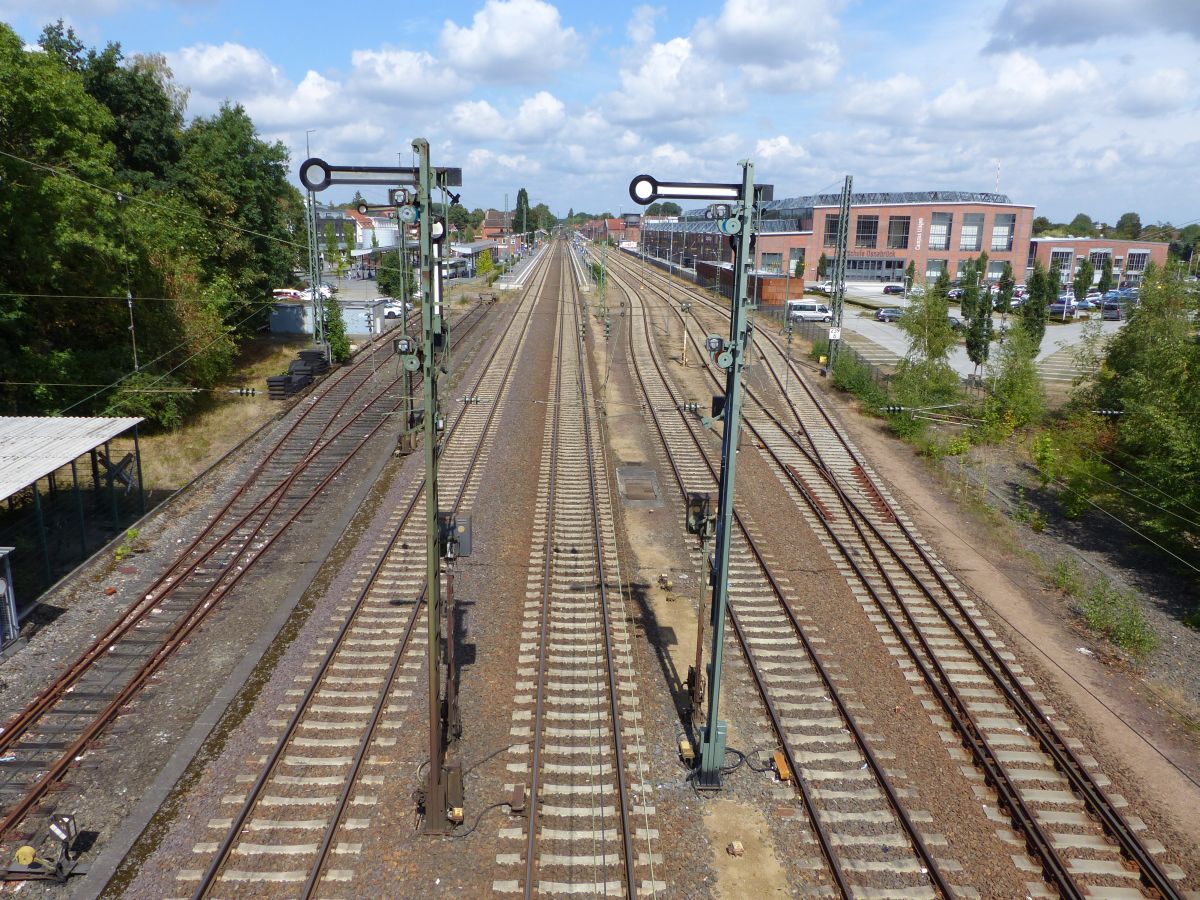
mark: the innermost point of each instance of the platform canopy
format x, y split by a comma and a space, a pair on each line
34, 446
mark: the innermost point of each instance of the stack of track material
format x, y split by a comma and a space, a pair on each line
300, 374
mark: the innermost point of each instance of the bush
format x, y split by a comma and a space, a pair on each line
1067, 577
855, 377
1116, 614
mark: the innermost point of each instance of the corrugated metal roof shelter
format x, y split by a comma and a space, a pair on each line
34, 446
68, 485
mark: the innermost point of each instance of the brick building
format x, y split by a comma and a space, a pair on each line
1129, 258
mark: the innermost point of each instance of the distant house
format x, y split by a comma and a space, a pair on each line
495, 225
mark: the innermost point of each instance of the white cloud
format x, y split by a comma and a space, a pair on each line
779, 149
477, 120
795, 39
539, 117
670, 87
895, 99
640, 26
1060, 23
399, 74
1023, 93
511, 41
226, 70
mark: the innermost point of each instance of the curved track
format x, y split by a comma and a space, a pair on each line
1046, 791
43, 741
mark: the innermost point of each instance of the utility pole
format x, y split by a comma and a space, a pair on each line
314, 260
442, 797
736, 219
839, 273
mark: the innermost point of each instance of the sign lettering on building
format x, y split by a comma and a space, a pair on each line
920, 232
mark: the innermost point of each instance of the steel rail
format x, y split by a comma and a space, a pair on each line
181, 567
823, 837
233, 833
610, 653
171, 641
998, 670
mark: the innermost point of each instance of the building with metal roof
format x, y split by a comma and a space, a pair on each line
68, 485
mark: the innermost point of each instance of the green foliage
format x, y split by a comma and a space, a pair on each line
926, 322
1083, 279
1118, 616
1035, 310
484, 265
125, 548
1106, 275
389, 276
1017, 395
335, 331
1045, 458
1151, 371
1129, 226
822, 266
1007, 283
522, 221
1067, 577
979, 328
855, 377
665, 208
1083, 226
910, 272
117, 124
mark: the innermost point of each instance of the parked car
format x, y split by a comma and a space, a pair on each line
888, 314
954, 294
1112, 311
394, 309
826, 286
956, 323
1087, 303
287, 294
809, 311
1093, 295
1062, 308
893, 289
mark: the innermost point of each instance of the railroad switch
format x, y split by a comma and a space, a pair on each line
26, 865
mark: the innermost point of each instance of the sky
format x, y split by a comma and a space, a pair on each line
1069, 105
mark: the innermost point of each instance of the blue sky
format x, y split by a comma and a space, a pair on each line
1082, 105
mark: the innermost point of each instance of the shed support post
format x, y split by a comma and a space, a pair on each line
41, 524
137, 455
79, 510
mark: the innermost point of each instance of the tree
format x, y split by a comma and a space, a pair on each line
1082, 226
1106, 275
1129, 226
670, 208
822, 266
540, 217
1151, 372
1042, 289
335, 256
979, 330
1017, 395
484, 266
1041, 225
910, 273
335, 331
969, 284
1007, 283
925, 374
1083, 279
522, 223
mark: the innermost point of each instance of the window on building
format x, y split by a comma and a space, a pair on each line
1097, 258
970, 236
795, 261
939, 231
772, 262
1003, 227
898, 232
1063, 261
995, 270
960, 268
935, 267
1137, 261
866, 232
831, 230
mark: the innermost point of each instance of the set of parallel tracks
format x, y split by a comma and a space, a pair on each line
1048, 795
39, 746
576, 720
295, 829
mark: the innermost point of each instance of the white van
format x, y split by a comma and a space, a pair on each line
809, 311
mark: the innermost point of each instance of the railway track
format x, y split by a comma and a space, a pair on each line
40, 745
1044, 793
576, 719
297, 830
866, 842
